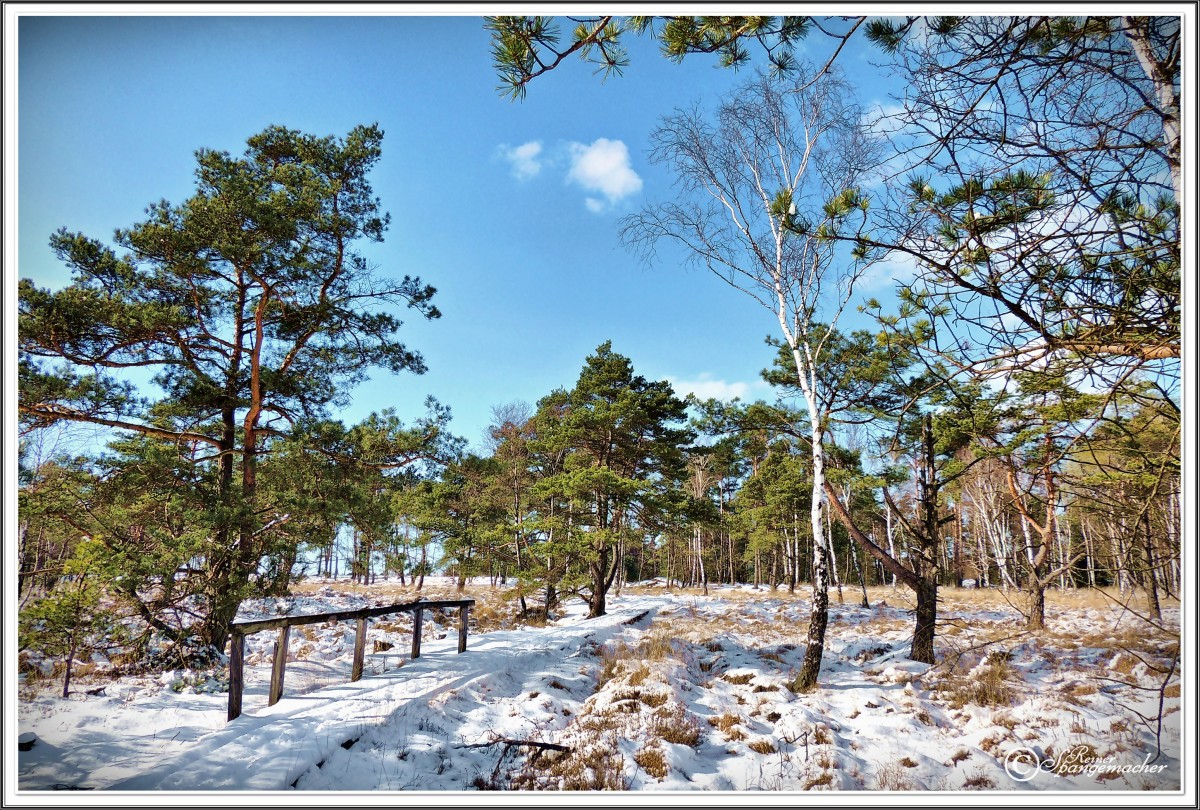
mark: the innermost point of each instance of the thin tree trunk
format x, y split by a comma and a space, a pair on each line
1151, 571
814, 651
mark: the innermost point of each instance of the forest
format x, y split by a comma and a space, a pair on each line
1006, 419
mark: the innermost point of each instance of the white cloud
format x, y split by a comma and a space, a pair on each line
603, 169
899, 268
524, 159
705, 387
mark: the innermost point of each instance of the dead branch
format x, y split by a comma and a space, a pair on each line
508, 743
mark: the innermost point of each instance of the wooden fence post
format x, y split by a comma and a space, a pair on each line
237, 659
463, 613
238, 633
281, 651
360, 646
416, 645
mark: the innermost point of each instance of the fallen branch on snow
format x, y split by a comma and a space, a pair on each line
545, 746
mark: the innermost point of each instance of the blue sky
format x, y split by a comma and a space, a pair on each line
509, 208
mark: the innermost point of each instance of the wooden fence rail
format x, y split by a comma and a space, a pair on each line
239, 630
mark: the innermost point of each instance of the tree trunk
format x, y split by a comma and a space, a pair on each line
922, 641
1037, 603
1159, 74
837, 580
596, 601
862, 579
810, 669
1151, 572
70, 661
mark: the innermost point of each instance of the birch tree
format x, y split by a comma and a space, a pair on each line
764, 183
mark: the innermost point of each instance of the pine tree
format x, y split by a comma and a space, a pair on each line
621, 451
253, 306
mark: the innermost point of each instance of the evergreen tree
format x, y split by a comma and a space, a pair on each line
524, 48
620, 450
253, 306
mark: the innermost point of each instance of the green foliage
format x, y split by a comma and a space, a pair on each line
1053, 223
70, 621
255, 309
859, 375
620, 452
524, 48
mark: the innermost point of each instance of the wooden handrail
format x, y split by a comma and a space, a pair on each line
246, 628
239, 630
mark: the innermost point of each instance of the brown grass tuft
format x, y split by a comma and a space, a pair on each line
762, 746
651, 699
725, 722
893, 776
990, 685
820, 780
652, 761
979, 781
675, 724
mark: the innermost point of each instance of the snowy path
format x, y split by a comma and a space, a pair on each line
269, 748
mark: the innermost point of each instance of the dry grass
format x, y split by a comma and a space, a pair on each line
594, 763
820, 780
762, 746
998, 598
652, 761
1124, 663
725, 722
991, 743
1074, 692
648, 698
596, 766
675, 724
979, 780
658, 646
612, 663
990, 685
908, 762
893, 776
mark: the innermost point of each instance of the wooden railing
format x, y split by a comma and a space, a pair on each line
239, 630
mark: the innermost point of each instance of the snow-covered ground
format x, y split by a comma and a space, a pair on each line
670, 691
